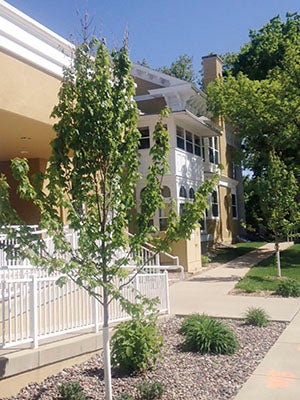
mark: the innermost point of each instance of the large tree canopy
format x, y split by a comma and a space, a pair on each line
266, 49
260, 97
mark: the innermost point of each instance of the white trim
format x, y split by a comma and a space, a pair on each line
225, 181
26, 39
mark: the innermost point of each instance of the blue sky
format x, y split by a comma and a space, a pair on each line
161, 30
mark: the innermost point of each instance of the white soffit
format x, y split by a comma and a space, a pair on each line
30, 41
202, 125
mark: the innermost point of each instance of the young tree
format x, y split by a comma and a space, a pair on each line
92, 175
278, 189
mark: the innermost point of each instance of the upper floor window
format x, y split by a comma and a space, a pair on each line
189, 142
197, 145
180, 137
213, 150
234, 205
145, 138
214, 204
182, 192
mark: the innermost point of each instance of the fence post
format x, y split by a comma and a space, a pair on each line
33, 312
167, 291
3, 284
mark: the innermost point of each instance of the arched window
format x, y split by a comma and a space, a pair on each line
165, 191
191, 193
182, 192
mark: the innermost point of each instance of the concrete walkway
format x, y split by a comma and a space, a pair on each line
278, 375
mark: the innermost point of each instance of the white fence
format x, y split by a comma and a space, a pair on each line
34, 307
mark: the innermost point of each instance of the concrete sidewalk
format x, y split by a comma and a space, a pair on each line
278, 376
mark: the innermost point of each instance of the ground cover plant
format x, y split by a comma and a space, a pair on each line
256, 316
226, 254
262, 277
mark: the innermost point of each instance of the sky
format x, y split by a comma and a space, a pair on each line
161, 30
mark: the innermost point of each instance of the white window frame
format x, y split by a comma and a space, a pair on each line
186, 140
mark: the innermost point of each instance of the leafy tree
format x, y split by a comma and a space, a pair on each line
265, 113
92, 175
182, 68
143, 63
266, 49
278, 189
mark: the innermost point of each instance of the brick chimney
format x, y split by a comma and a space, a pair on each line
212, 68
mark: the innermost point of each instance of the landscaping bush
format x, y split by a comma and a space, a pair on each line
256, 317
288, 288
207, 335
205, 259
124, 396
136, 344
71, 391
150, 391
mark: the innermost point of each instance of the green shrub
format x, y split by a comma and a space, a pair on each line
136, 344
205, 259
150, 391
288, 288
207, 335
124, 396
257, 317
71, 391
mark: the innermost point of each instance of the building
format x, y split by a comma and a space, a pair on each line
31, 62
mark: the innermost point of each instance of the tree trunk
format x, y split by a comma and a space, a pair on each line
106, 348
277, 258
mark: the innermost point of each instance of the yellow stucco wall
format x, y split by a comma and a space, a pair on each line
25, 90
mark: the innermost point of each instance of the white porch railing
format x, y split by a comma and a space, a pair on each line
33, 307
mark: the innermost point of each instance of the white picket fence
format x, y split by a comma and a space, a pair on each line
34, 307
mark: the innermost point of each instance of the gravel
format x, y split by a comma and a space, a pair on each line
184, 375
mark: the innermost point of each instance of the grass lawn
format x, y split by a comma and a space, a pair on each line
227, 254
263, 275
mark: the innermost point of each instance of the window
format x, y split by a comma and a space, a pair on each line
234, 205
163, 217
191, 193
189, 142
165, 191
145, 138
181, 209
182, 192
214, 204
197, 146
202, 223
180, 137
213, 150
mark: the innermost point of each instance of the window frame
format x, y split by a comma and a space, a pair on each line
215, 204
234, 208
144, 138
